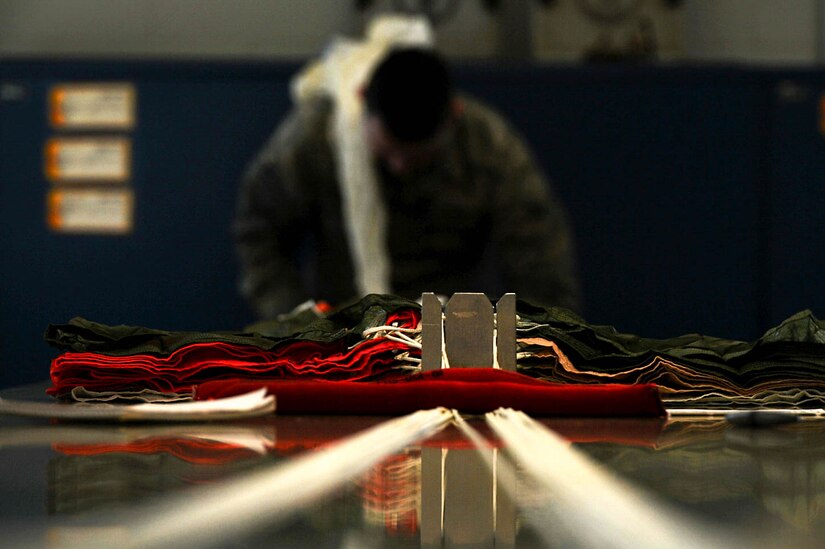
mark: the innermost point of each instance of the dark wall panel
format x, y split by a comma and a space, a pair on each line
694, 194
797, 195
197, 128
659, 169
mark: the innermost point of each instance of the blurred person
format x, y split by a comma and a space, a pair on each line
416, 188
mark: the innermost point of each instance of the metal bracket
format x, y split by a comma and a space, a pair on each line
468, 332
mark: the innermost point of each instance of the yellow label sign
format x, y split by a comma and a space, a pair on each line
88, 159
93, 105
94, 210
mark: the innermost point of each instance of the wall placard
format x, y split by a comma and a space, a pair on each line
90, 210
68, 159
92, 106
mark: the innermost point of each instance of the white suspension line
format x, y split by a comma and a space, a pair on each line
218, 514
594, 504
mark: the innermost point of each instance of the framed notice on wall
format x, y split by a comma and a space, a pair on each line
82, 106
90, 210
68, 159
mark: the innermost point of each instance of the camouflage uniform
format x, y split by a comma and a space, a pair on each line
481, 218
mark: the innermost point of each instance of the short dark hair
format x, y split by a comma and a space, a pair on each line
410, 91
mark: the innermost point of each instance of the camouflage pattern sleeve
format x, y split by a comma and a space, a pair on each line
270, 210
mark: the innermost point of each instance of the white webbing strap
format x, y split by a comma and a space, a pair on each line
340, 75
219, 514
595, 506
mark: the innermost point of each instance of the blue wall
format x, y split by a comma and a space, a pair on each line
695, 194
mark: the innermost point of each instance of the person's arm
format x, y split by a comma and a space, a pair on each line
269, 226
530, 230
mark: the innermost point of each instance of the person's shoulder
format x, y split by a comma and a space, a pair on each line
476, 111
305, 124
484, 126
315, 111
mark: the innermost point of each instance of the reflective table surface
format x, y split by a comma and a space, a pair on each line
85, 484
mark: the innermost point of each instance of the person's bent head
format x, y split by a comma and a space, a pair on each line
410, 104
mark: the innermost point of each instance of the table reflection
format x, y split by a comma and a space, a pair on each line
441, 493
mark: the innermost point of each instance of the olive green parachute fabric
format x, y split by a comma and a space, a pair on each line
783, 368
